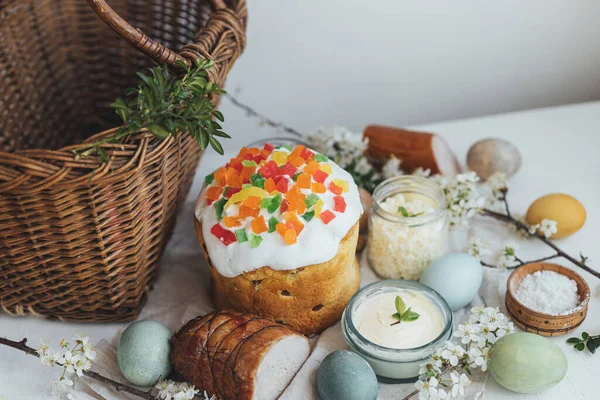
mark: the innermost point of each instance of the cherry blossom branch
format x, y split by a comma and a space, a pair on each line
521, 226
22, 346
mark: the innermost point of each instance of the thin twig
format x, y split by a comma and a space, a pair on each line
408, 396
22, 346
250, 111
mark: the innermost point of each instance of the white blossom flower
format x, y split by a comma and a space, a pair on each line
63, 384
452, 352
391, 168
480, 356
467, 332
64, 344
478, 248
476, 313
462, 198
508, 256
459, 383
548, 227
428, 390
87, 348
424, 173
169, 390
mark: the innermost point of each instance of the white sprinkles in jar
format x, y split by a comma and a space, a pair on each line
400, 251
548, 292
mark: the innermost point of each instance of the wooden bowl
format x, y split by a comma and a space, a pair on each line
539, 323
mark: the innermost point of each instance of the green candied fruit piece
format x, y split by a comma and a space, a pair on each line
255, 176
249, 163
219, 204
209, 179
308, 215
296, 175
240, 234
273, 224
264, 203
255, 240
259, 182
275, 203
311, 200
321, 158
246, 185
287, 146
226, 190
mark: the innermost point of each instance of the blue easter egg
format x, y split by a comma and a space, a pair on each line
344, 375
456, 276
143, 352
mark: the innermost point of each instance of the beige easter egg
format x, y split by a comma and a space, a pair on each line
566, 210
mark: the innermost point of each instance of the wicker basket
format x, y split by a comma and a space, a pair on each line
80, 240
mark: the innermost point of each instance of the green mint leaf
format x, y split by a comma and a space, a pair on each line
400, 305
585, 335
410, 315
209, 179
403, 211
580, 346
573, 340
397, 316
240, 234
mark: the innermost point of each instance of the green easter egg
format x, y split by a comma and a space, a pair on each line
143, 352
526, 363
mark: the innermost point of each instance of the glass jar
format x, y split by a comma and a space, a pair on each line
408, 227
394, 365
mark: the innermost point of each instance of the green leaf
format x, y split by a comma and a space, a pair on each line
158, 131
410, 315
585, 335
403, 211
397, 316
573, 340
218, 115
240, 234
580, 346
214, 143
400, 305
591, 347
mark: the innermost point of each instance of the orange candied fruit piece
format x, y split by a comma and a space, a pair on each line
296, 152
233, 179
259, 225
293, 219
246, 211
270, 185
295, 194
311, 167
290, 236
281, 228
335, 189
318, 188
213, 192
253, 150
220, 176
252, 202
297, 161
246, 172
232, 221
242, 152
297, 205
303, 181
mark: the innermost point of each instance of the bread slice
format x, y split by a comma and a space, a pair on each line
256, 359
309, 299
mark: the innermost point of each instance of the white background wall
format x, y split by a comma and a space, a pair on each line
355, 62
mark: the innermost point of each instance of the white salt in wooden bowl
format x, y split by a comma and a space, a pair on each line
539, 323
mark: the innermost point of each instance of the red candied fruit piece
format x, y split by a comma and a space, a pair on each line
270, 170
339, 204
236, 164
289, 170
306, 154
284, 206
335, 189
327, 216
282, 185
269, 147
224, 235
248, 156
257, 159
231, 191
320, 176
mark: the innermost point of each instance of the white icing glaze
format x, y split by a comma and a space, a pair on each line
374, 319
316, 243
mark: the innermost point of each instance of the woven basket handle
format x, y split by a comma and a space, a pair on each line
148, 46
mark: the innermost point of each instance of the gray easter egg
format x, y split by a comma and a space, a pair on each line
344, 375
489, 156
143, 352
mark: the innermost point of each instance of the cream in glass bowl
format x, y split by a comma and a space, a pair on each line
395, 347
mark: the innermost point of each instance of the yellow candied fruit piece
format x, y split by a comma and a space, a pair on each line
279, 157
244, 194
326, 167
318, 208
341, 183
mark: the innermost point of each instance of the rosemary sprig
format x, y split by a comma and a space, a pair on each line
402, 313
168, 104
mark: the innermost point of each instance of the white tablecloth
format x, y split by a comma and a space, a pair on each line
559, 147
